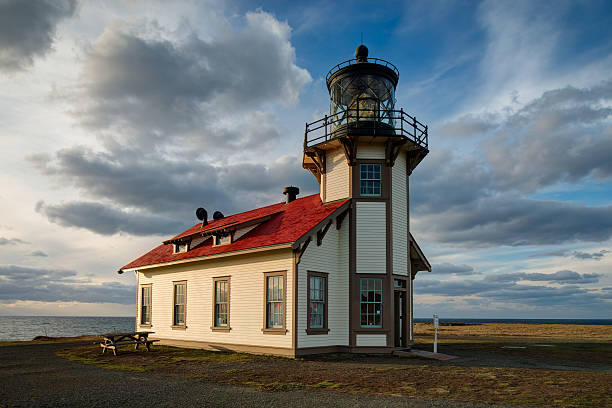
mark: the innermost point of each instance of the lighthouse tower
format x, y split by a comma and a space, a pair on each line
365, 150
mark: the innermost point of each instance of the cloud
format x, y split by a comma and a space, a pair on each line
486, 292
509, 219
562, 136
39, 254
204, 92
446, 268
11, 241
142, 195
50, 285
574, 254
106, 220
27, 30
563, 276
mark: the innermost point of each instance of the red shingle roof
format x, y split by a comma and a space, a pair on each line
287, 224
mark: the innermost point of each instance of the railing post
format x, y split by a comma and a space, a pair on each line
325, 127
426, 137
357, 120
306, 137
402, 121
414, 125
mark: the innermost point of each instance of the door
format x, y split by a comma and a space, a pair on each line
400, 318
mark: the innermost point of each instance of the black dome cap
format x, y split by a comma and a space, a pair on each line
361, 53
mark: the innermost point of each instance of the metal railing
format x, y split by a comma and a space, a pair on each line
353, 61
366, 122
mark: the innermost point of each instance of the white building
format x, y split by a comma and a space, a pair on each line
323, 273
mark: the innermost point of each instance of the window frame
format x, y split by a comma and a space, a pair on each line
274, 330
214, 326
317, 330
381, 302
177, 247
175, 325
150, 322
217, 239
380, 180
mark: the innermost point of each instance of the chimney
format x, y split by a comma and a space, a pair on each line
291, 192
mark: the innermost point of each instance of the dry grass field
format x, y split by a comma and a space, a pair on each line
534, 365
495, 330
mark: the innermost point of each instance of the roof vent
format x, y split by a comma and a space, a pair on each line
291, 192
217, 215
202, 215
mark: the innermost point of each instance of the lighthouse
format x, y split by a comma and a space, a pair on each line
328, 272
365, 150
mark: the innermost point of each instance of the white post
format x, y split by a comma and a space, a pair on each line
435, 322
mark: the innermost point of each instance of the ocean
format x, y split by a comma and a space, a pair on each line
14, 328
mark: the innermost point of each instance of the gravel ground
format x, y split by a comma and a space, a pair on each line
32, 376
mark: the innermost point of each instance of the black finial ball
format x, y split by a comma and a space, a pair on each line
361, 53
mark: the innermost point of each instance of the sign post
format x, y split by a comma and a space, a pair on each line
435, 322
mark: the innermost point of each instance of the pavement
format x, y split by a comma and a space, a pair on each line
33, 376
423, 354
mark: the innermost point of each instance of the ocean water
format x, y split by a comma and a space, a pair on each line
13, 328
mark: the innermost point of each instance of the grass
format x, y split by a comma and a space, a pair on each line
387, 375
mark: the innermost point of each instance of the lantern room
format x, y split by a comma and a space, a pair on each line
363, 116
362, 90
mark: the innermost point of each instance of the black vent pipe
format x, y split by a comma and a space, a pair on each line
291, 192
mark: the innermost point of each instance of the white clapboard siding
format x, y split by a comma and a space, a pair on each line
336, 176
331, 257
371, 237
246, 298
399, 215
370, 151
371, 340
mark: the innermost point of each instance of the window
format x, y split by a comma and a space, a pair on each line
180, 302
317, 303
370, 294
274, 302
181, 247
221, 303
370, 179
223, 239
145, 305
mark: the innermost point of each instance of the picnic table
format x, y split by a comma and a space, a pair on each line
114, 340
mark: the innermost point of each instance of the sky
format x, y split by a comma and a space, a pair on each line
119, 118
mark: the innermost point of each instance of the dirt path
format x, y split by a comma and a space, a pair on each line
33, 376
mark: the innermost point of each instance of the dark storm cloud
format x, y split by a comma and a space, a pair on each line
11, 241
207, 91
105, 220
48, 285
159, 196
27, 30
573, 254
447, 268
564, 276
